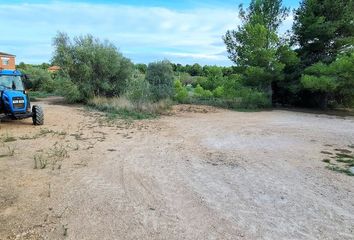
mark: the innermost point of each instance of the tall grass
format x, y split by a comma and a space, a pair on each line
121, 107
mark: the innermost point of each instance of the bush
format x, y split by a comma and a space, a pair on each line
200, 92
160, 77
138, 90
38, 79
141, 68
202, 81
253, 99
69, 91
181, 93
186, 78
218, 92
231, 86
95, 67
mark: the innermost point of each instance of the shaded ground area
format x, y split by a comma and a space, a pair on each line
202, 173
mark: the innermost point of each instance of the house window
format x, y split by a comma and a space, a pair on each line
5, 61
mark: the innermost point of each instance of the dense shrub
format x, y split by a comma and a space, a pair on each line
138, 90
219, 92
202, 81
141, 68
39, 79
160, 76
69, 90
186, 78
253, 99
95, 67
199, 91
181, 93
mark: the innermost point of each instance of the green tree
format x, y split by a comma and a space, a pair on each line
141, 67
322, 29
269, 13
254, 45
160, 76
288, 90
196, 70
332, 82
96, 67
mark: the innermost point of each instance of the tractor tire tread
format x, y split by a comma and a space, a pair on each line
38, 115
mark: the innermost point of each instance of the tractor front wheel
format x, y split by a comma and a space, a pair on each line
38, 115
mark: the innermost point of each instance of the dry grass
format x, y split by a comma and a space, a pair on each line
121, 107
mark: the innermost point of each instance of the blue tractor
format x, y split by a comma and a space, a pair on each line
14, 101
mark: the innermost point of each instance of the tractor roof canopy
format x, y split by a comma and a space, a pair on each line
10, 72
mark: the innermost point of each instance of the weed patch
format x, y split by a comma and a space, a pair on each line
343, 160
10, 152
7, 138
326, 160
40, 161
54, 157
121, 108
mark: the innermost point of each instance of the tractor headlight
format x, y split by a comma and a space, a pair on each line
18, 101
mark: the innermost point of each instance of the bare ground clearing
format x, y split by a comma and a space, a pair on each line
202, 173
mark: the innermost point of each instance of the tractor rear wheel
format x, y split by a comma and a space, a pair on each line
38, 115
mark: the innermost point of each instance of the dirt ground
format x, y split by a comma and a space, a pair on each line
201, 173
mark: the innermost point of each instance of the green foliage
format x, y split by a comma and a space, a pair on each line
70, 91
95, 67
181, 93
344, 71
252, 99
323, 29
141, 67
317, 78
202, 81
138, 90
269, 13
199, 91
160, 76
230, 89
196, 70
219, 92
266, 66
39, 79
186, 78
254, 45
335, 79
214, 77
320, 83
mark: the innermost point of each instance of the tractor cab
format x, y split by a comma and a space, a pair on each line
14, 102
11, 80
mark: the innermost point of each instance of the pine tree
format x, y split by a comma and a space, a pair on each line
322, 29
254, 45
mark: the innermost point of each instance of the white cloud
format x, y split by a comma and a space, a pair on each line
143, 33
196, 56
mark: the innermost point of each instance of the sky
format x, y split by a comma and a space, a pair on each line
182, 31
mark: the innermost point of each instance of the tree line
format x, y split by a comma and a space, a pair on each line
311, 66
